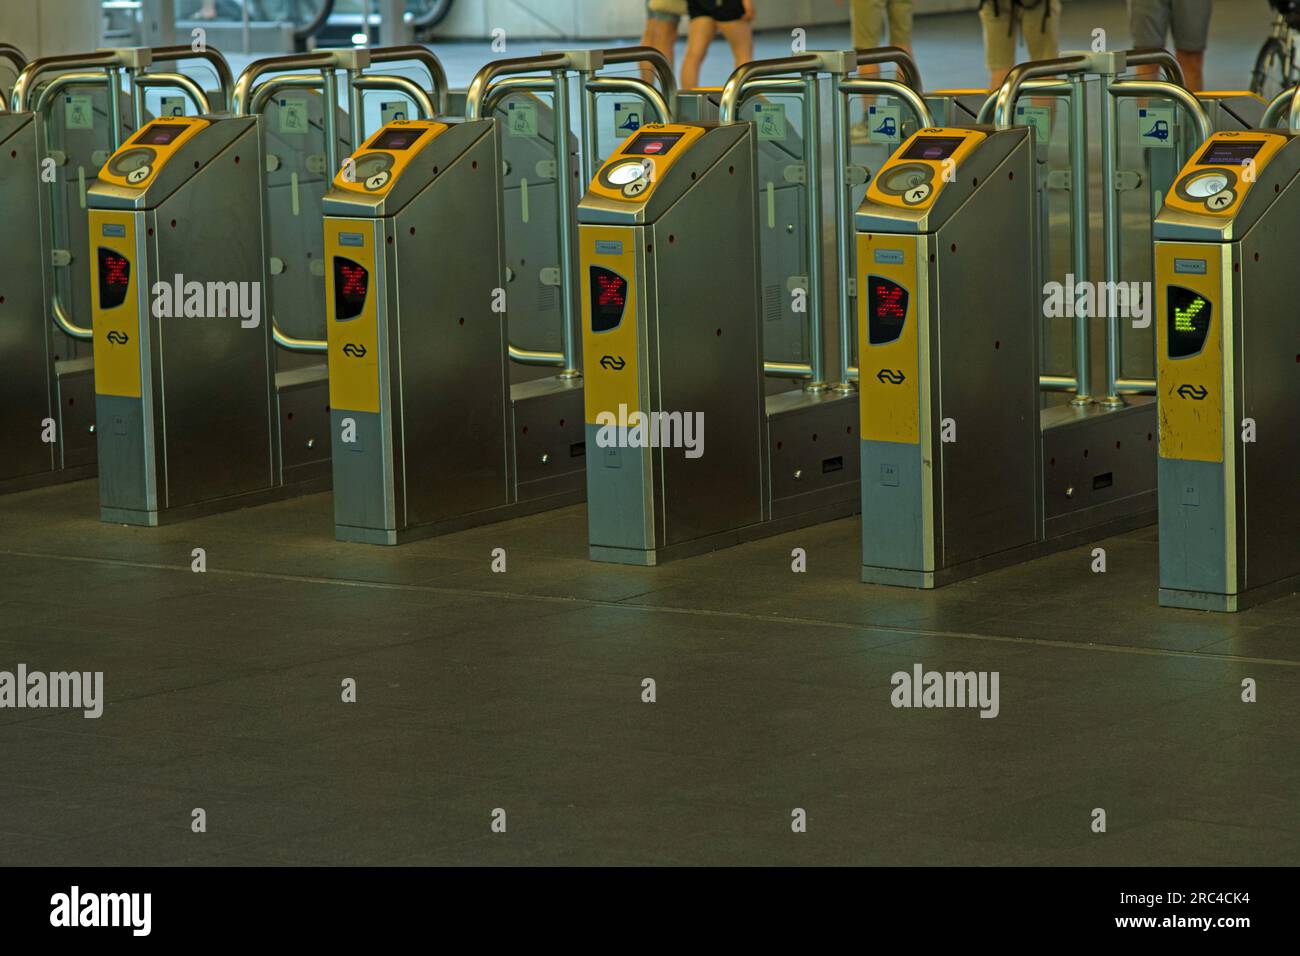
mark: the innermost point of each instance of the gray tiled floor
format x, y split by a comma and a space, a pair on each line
522, 691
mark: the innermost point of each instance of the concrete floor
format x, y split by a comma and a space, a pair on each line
522, 691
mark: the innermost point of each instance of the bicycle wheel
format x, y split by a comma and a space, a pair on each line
307, 16
427, 13
1269, 77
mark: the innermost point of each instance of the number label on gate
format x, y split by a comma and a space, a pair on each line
172, 106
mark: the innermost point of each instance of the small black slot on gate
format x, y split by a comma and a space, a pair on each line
832, 464
578, 449
1102, 481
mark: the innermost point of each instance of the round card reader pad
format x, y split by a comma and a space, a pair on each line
909, 181
373, 170
133, 165
1212, 186
632, 177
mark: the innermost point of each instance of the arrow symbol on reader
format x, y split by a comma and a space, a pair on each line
1195, 392
890, 376
118, 338
356, 351
610, 362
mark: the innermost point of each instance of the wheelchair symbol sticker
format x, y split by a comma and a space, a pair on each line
770, 120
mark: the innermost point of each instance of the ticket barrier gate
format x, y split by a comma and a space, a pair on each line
929, 427
434, 428
673, 337
1229, 382
665, 332
198, 420
185, 384
70, 111
1064, 472
425, 430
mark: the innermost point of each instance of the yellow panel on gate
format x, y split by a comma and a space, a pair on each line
351, 288
609, 319
115, 303
1190, 303
889, 307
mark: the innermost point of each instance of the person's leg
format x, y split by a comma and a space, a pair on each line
1148, 22
1191, 25
699, 35
868, 20
732, 17
900, 24
740, 36
999, 39
662, 35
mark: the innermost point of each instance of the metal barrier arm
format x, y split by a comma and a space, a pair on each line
108, 60
1168, 90
907, 94
483, 81
648, 56
14, 55
424, 105
486, 83
432, 65
17, 60
908, 71
1188, 101
183, 52
1009, 92
1284, 102
1157, 56
347, 59
1033, 87
628, 84
747, 74
198, 98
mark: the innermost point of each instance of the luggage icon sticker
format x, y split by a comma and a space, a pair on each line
521, 118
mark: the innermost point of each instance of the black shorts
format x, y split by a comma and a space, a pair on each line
721, 10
